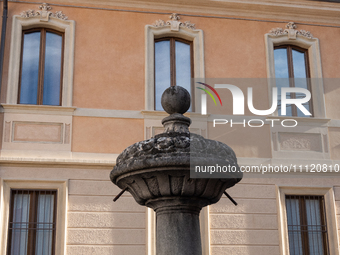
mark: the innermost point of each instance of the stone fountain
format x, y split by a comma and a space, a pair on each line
157, 174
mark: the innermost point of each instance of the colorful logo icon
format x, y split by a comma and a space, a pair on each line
209, 93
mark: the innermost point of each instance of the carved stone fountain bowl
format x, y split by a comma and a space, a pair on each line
159, 169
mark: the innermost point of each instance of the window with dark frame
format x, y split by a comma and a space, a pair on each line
32, 222
173, 66
41, 68
292, 70
307, 225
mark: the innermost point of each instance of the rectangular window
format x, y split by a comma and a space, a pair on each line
307, 228
292, 70
173, 66
41, 67
32, 223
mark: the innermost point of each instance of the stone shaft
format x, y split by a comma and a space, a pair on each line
178, 233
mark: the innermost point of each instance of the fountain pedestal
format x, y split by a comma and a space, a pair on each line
157, 174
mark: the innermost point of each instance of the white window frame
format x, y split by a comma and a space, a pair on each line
22, 23
152, 33
310, 44
328, 193
60, 186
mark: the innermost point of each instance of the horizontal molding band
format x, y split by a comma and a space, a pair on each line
105, 113
264, 11
54, 161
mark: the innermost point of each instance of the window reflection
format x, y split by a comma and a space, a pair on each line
291, 70
41, 67
183, 65
52, 69
173, 66
162, 71
30, 68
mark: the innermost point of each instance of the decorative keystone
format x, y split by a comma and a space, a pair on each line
290, 31
174, 23
44, 13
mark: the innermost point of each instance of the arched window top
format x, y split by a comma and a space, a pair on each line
292, 62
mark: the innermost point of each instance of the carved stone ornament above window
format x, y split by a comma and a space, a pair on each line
44, 13
174, 23
290, 31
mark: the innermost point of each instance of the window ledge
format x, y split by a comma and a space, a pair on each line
37, 109
147, 114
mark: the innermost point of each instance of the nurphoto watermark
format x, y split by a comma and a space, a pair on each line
269, 120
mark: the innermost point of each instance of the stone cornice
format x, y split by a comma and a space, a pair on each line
299, 10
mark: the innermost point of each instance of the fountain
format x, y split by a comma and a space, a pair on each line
157, 174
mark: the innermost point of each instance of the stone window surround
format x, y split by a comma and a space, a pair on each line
22, 23
312, 45
61, 186
328, 194
154, 32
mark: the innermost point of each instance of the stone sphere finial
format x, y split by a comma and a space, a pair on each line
176, 99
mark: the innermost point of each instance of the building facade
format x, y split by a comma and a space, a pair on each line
82, 81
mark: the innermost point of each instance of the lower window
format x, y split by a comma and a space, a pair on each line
32, 222
307, 226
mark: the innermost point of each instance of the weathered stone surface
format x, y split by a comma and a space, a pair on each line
241, 250
245, 237
157, 174
88, 187
106, 220
245, 206
251, 191
176, 99
180, 228
245, 221
101, 203
106, 249
173, 150
77, 236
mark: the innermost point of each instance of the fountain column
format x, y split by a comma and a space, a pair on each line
157, 174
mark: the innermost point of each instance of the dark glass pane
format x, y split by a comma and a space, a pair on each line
52, 71
282, 76
183, 66
30, 68
162, 71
